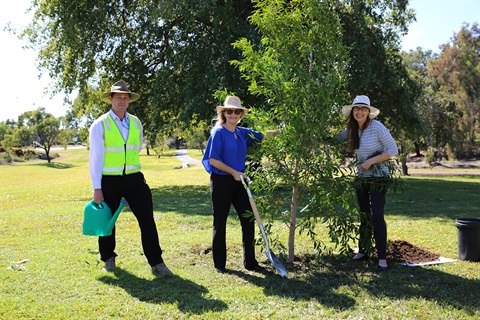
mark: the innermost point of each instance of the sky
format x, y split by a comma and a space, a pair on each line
23, 89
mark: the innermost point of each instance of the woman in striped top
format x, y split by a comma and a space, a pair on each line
373, 145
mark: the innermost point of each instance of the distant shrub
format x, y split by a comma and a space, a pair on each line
30, 154
6, 158
430, 157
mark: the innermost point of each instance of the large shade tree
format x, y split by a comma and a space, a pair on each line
174, 53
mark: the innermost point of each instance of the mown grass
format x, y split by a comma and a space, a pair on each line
41, 217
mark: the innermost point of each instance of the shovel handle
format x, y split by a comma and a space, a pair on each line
270, 255
255, 210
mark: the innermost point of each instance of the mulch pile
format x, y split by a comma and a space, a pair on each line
403, 251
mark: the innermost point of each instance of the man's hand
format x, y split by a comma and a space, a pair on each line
97, 196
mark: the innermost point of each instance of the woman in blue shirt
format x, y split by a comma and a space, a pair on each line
224, 160
373, 144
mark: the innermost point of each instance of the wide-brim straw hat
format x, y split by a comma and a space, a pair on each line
119, 87
360, 101
232, 102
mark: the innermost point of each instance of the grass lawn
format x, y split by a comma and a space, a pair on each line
49, 270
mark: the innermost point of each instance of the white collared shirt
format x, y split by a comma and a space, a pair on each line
97, 145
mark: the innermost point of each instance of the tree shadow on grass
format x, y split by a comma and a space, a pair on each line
422, 198
318, 286
187, 295
403, 283
458, 292
336, 273
435, 198
187, 200
54, 165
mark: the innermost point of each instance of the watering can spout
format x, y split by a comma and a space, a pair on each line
114, 218
98, 219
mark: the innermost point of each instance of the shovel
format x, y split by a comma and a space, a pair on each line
270, 255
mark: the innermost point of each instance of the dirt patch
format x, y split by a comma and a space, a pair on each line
397, 251
199, 250
403, 251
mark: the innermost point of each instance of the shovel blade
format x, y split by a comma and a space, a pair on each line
282, 271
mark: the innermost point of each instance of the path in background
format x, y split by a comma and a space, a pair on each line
184, 158
467, 167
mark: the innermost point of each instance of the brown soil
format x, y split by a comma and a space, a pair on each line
403, 251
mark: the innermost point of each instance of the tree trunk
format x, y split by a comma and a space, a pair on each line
293, 223
417, 149
404, 159
404, 167
293, 219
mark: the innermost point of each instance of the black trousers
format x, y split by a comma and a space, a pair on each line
135, 190
371, 194
225, 191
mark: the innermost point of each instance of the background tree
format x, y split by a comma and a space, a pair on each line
43, 127
457, 74
64, 138
194, 135
416, 62
419, 137
4, 129
11, 135
174, 53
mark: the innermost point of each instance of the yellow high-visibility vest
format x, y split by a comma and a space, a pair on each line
121, 155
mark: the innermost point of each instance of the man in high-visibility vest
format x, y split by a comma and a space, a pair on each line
116, 140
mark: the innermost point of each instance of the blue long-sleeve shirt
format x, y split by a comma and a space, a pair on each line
229, 147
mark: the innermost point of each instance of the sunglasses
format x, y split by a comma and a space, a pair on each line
363, 109
237, 111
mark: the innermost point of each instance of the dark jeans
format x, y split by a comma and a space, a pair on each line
135, 190
225, 191
371, 194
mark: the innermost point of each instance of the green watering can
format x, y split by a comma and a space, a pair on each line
98, 220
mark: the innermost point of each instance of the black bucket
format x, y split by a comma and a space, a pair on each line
468, 238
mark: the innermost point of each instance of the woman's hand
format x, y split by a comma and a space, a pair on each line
366, 165
222, 166
371, 161
236, 175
